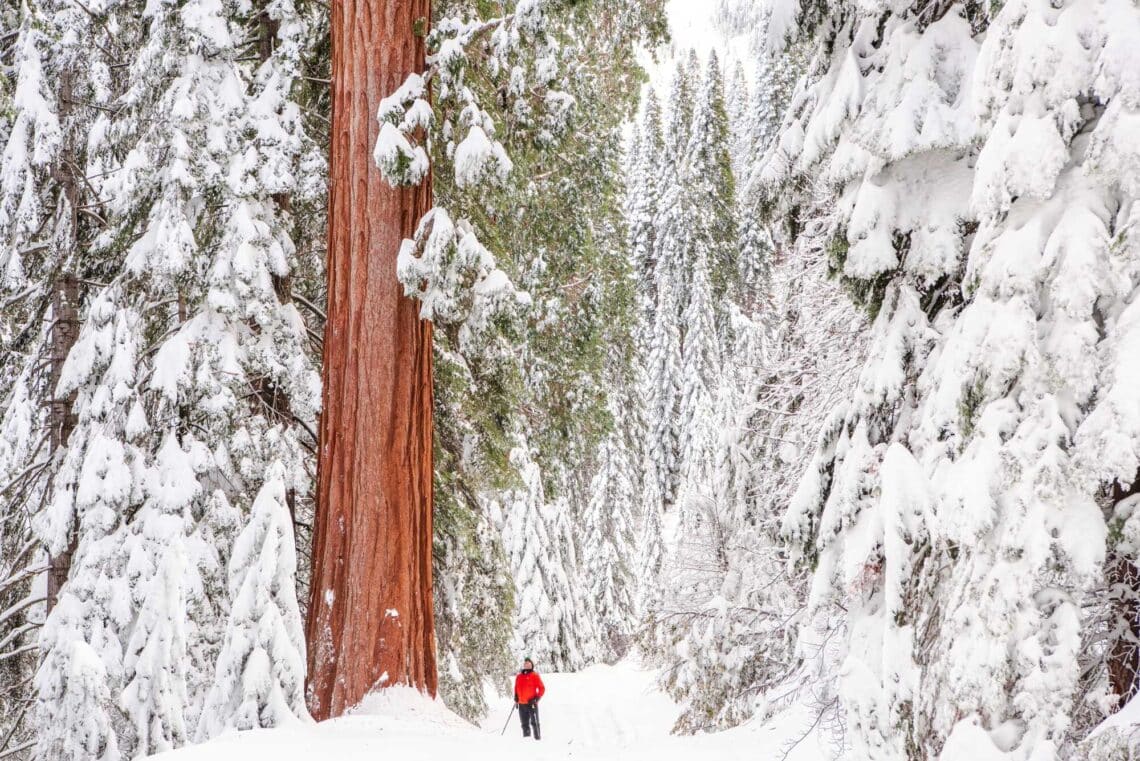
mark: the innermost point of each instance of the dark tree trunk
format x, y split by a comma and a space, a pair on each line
1124, 655
65, 324
370, 614
64, 331
1123, 579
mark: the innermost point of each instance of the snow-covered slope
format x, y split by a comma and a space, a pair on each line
601, 713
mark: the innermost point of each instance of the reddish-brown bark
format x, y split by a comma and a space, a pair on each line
370, 614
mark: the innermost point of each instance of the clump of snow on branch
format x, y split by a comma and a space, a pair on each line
445, 265
478, 157
402, 115
454, 276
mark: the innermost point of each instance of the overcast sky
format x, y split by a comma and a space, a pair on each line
690, 25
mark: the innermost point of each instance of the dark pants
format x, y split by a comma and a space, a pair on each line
528, 713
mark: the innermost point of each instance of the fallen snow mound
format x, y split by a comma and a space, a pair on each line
603, 713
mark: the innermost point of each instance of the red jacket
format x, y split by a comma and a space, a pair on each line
528, 686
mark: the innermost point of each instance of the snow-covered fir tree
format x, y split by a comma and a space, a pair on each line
657, 344
613, 513
738, 108
766, 108
47, 66
260, 673
969, 501
670, 241
700, 372
706, 240
644, 184
191, 367
609, 524
551, 626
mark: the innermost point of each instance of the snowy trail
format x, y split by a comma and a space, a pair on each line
599, 708
604, 713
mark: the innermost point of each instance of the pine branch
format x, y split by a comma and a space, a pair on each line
11, 302
309, 305
13, 751
27, 472
18, 632
312, 434
23, 575
319, 116
19, 651
20, 606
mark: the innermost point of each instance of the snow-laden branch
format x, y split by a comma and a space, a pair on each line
445, 265
22, 605
407, 117
454, 276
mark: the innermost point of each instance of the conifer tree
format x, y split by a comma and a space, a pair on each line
977, 224
159, 578
260, 676
538, 367
551, 626
647, 162
756, 252
709, 246
609, 521
664, 387
710, 188
673, 230
46, 67
700, 373
191, 366
682, 98
374, 496
738, 108
73, 681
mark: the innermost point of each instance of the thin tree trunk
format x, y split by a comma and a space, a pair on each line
65, 329
1124, 591
1124, 653
65, 325
370, 615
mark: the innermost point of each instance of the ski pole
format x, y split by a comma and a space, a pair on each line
512, 713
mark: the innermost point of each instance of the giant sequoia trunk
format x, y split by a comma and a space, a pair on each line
370, 614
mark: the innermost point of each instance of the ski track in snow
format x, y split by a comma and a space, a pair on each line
603, 713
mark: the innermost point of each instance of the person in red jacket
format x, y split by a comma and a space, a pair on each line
529, 689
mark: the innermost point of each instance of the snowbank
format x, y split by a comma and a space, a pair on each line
604, 713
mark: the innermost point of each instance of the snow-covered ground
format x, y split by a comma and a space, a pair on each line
603, 713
